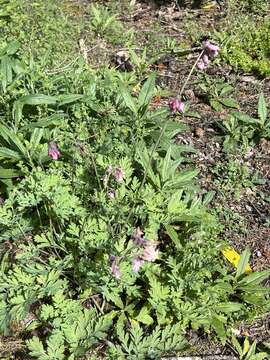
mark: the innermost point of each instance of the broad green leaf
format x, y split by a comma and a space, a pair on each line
252, 351
12, 47
11, 137
144, 160
237, 345
38, 99
165, 171
244, 118
243, 263
226, 90
147, 91
128, 100
9, 154
17, 66
219, 328
35, 99
229, 103
245, 346
36, 136
262, 109
9, 173
6, 72
255, 278
173, 236
183, 178
67, 99
216, 105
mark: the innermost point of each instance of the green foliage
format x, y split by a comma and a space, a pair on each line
216, 93
242, 130
69, 227
247, 46
105, 24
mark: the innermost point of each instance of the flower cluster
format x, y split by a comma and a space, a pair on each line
116, 172
209, 52
53, 150
148, 249
176, 105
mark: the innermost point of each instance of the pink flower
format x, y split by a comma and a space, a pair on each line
176, 105
115, 270
150, 252
137, 263
205, 59
118, 174
210, 49
53, 150
200, 65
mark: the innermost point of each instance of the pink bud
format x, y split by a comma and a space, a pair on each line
176, 105
118, 174
200, 65
211, 49
53, 150
137, 263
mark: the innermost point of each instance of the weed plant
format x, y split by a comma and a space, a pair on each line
107, 246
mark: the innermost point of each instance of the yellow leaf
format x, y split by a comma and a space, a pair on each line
209, 5
233, 257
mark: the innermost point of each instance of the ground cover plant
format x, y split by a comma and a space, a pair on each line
115, 244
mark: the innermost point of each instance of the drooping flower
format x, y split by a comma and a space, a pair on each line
176, 105
115, 270
150, 252
137, 263
118, 174
200, 65
210, 49
209, 52
53, 150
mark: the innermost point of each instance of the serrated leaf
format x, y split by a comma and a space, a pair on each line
229, 307
144, 316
